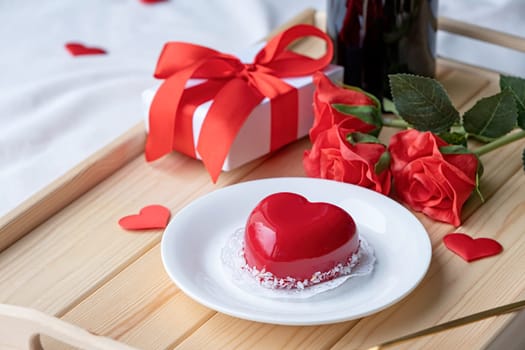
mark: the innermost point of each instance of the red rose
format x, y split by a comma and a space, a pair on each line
429, 181
333, 157
327, 95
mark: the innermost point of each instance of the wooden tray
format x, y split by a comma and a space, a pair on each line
63, 253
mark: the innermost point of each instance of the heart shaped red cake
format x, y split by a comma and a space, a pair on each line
291, 237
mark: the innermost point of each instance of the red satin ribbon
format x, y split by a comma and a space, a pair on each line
236, 89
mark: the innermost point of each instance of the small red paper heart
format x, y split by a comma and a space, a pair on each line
285, 230
78, 49
151, 1
471, 249
150, 217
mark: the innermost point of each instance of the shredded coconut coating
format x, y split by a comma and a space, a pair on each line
269, 280
265, 284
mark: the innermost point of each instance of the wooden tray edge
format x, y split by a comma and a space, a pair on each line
481, 33
70, 186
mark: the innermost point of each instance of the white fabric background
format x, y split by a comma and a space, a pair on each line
56, 110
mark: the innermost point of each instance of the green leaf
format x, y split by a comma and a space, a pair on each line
359, 137
454, 138
423, 102
383, 163
492, 116
516, 86
368, 114
389, 106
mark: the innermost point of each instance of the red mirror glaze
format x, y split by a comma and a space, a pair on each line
289, 236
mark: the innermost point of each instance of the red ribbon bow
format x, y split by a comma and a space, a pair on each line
236, 89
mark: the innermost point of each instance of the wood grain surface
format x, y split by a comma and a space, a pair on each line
78, 264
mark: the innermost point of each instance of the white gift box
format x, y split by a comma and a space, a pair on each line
253, 139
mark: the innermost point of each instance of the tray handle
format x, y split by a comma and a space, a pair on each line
446, 24
481, 33
21, 327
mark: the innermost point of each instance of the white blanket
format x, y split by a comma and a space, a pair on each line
56, 110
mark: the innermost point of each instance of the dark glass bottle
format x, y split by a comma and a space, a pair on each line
374, 38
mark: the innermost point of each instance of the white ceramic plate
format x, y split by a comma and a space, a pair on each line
192, 243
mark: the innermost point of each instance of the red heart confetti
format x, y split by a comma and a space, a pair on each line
78, 49
150, 217
471, 249
151, 1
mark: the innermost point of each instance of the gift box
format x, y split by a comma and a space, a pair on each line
243, 125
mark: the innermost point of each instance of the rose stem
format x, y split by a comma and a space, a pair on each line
501, 141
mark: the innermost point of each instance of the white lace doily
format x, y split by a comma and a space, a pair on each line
264, 283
